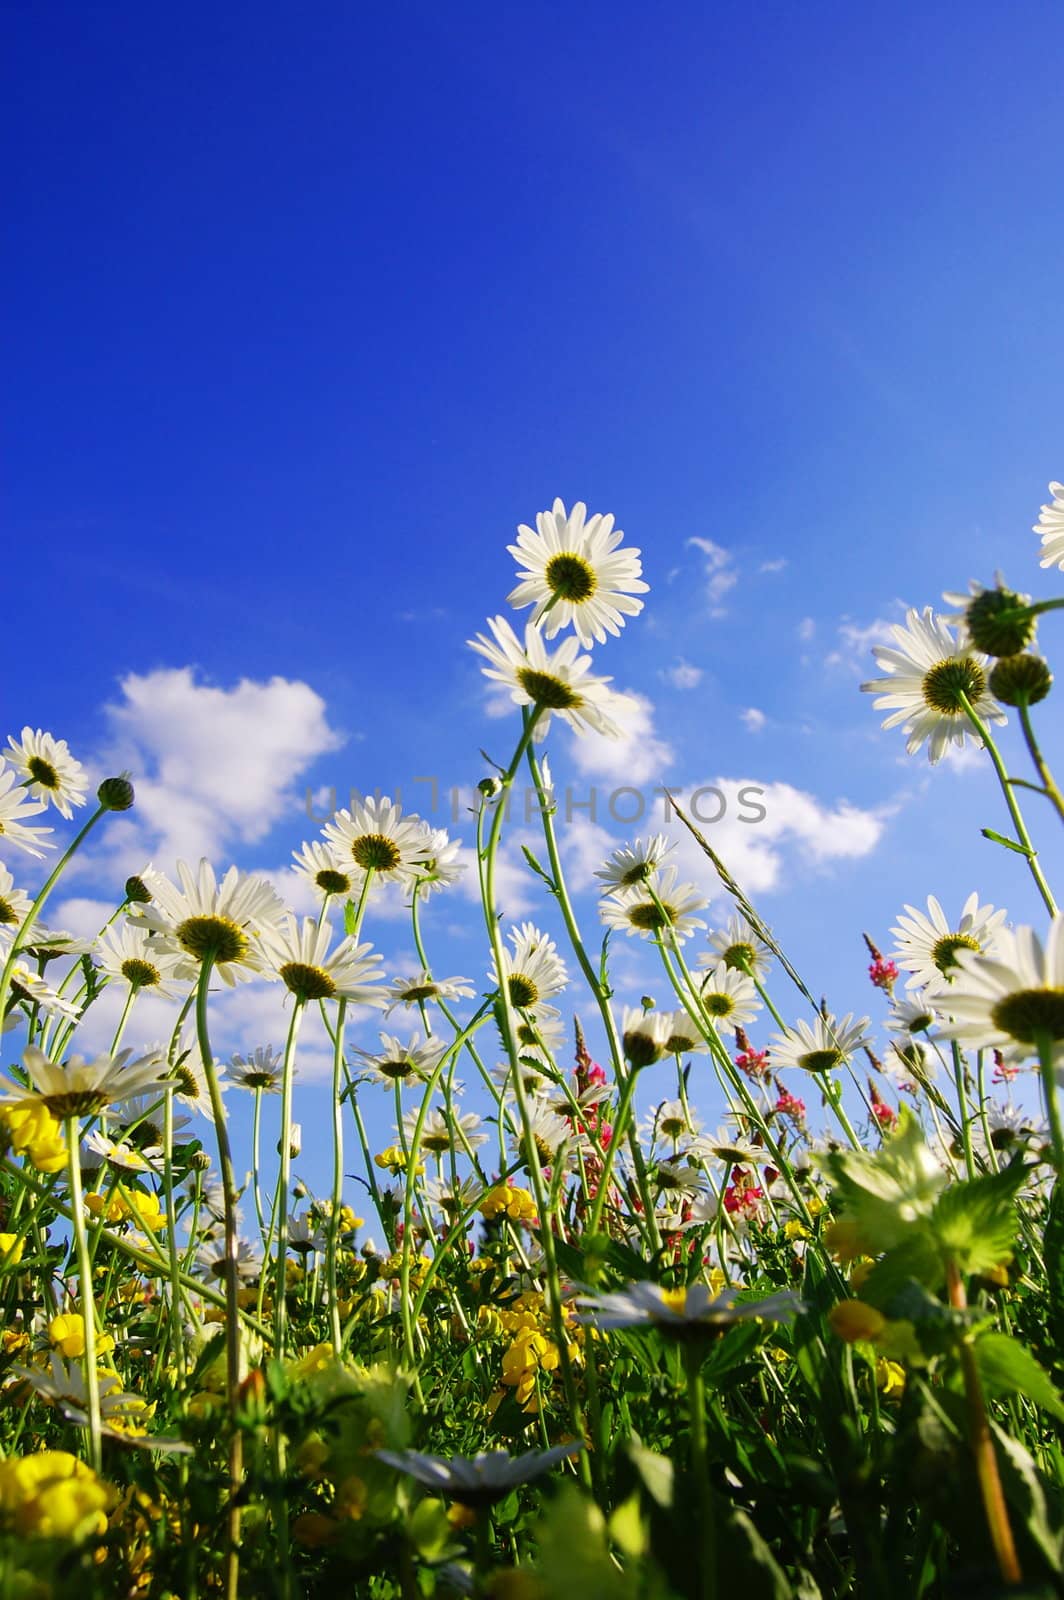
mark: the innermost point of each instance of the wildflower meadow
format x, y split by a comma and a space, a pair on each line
717, 1293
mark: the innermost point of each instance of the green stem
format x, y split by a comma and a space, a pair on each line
1041, 766
88, 1303
1049, 1090
707, 1532
333, 1239
1010, 800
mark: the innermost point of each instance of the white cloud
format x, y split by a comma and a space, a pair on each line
682, 675
773, 566
856, 640
212, 767
806, 628
721, 576
755, 720
765, 852
638, 756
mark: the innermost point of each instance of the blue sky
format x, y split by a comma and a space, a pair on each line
307, 310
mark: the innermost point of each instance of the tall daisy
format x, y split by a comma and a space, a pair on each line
443, 864
298, 954
1050, 528
130, 954
534, 971
421, 988
928, 944
738, 947
14, 903
262, 1070
670, 909
558, 685
729, 997
1013, 999
374, 836
634, 863
49, 772
572, 571
15, 807
207, 920
824, 1047
927, 674
80, 1088
320, 866
401, 1063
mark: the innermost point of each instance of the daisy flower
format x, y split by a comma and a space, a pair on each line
63, 1384
80, 1088
441, 1132
672, 1178
729, 997
683, 1039
130, 954
49, 944
1050, 528
559, 684
374, 836
442, 865
99, 1148
670, 1120
29, 987
14, 903
735, 1149
996, 620
738, 947
645, 1035
671, 907
634, 863
305, 1236
142, 1118
552, 1136
574, 572
1013, 999
911, 1016
820, 1048
49, 772
541, 1034
927, 673
15, 807
263, 1070
928, 946
682, 1313
320, 866
403, 1063
534, 971
207, 920
452, 1199
298, 954
479, 1480
422, 988
211, 1259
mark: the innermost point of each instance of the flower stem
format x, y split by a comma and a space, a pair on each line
35, 909
1049, 783
707, 1532
1049, 1090
88, 1303
1010, 800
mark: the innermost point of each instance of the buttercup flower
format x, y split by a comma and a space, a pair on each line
928, 672
573, 572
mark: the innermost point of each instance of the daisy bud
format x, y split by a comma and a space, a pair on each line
1019, 678
1000, 622
489, 787
200, 1161
116, 793
295, 1141
137, 891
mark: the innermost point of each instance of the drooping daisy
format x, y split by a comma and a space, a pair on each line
298, 953
80, 1088
1050, 528
672, 1177
573, 572
423, 989
682, 1313
263, 1070
739, 947
207, 920
99, 1148
559, 684
29, 987
48, 770
62, 1384
401, 1063
374, 836
479, 1480
1013, 999
927, 673
130, 954
825, 1046
443, 864
322, 868
143, 1120
51, 944
911, 1016
634, 863
645, 1035
668, 913
683, 1038
928, 945
211, 1259
15, 807
305, 1235
534, 971
729, 997
14, 903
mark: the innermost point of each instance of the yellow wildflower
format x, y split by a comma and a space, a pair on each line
515, 1203
67, 1334
11, 1248
53, 1495
853, 1320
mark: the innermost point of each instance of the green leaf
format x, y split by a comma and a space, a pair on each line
975, 1222
1025, 1492
914, 1259
1006, 1367
890, 1189
656, 1472
1010, 844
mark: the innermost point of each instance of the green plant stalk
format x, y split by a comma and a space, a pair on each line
88, 1302
284, 1179
963, 1109
707, 1534
981, 1443
233, 1355
1041, 766
1045, 1046
35, 909
1010, 800
332, 1243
